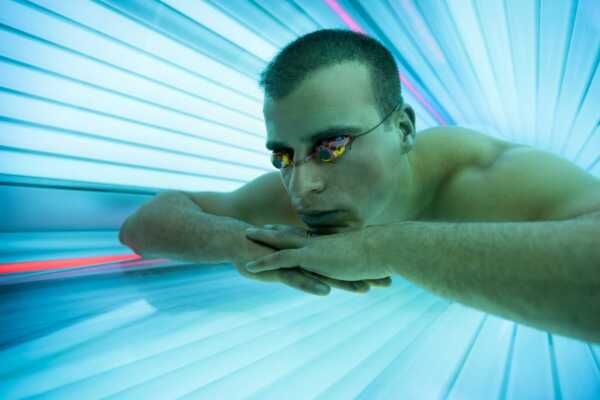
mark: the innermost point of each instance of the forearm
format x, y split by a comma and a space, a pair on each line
173, 227
543, 274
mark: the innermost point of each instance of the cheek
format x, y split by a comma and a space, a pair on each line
368, 179
373, 169
378, 178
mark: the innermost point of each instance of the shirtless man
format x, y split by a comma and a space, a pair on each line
436, 208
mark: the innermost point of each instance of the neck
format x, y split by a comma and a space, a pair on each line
405, 203
414, 196
408, 201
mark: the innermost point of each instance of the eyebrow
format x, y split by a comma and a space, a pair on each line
332, 131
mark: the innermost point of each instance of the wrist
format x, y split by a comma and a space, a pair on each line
369, 237
377, 239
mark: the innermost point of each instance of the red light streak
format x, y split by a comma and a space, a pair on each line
29, 266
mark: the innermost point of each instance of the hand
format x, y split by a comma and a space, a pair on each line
297, 277
342, 256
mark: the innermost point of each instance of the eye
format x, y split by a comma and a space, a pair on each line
339, 141
331, 149
328, 150
280, 159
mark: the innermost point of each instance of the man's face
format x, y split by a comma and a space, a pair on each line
362, 182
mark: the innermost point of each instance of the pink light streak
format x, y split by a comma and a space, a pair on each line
422, 100
28, 266
356, 28
344, 15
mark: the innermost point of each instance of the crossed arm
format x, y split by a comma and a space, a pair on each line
544, 272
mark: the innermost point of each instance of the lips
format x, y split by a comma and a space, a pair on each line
323, 219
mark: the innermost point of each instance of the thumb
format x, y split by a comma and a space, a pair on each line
276, 238
291, 229
384, 282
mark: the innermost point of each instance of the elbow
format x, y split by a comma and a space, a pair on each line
126, 240
127, 234
123, 235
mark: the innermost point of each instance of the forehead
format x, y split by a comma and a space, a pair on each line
328, 96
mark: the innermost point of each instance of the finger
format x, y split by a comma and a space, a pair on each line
277, 238
296, 279
267, 276
290, 229
354, 287
383, 282
287, 277
283, 259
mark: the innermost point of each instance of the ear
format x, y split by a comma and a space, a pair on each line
410, 113
406, 122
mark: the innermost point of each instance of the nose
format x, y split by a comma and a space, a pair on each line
305, 180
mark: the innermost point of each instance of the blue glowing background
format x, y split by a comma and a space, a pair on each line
105, 103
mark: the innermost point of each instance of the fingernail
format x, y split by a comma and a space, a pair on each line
250, 265
268, 226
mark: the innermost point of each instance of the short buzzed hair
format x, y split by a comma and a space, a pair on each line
327, 47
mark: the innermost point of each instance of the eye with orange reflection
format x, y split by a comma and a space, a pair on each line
327, 151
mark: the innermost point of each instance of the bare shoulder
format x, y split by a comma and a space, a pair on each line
460, 158
451, 148
264, 200
486, 179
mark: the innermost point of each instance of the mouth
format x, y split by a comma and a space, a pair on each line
325, 230
324, 220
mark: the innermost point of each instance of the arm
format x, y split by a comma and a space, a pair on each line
543, 274
173, 226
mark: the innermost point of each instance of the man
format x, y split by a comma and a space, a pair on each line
494, 225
